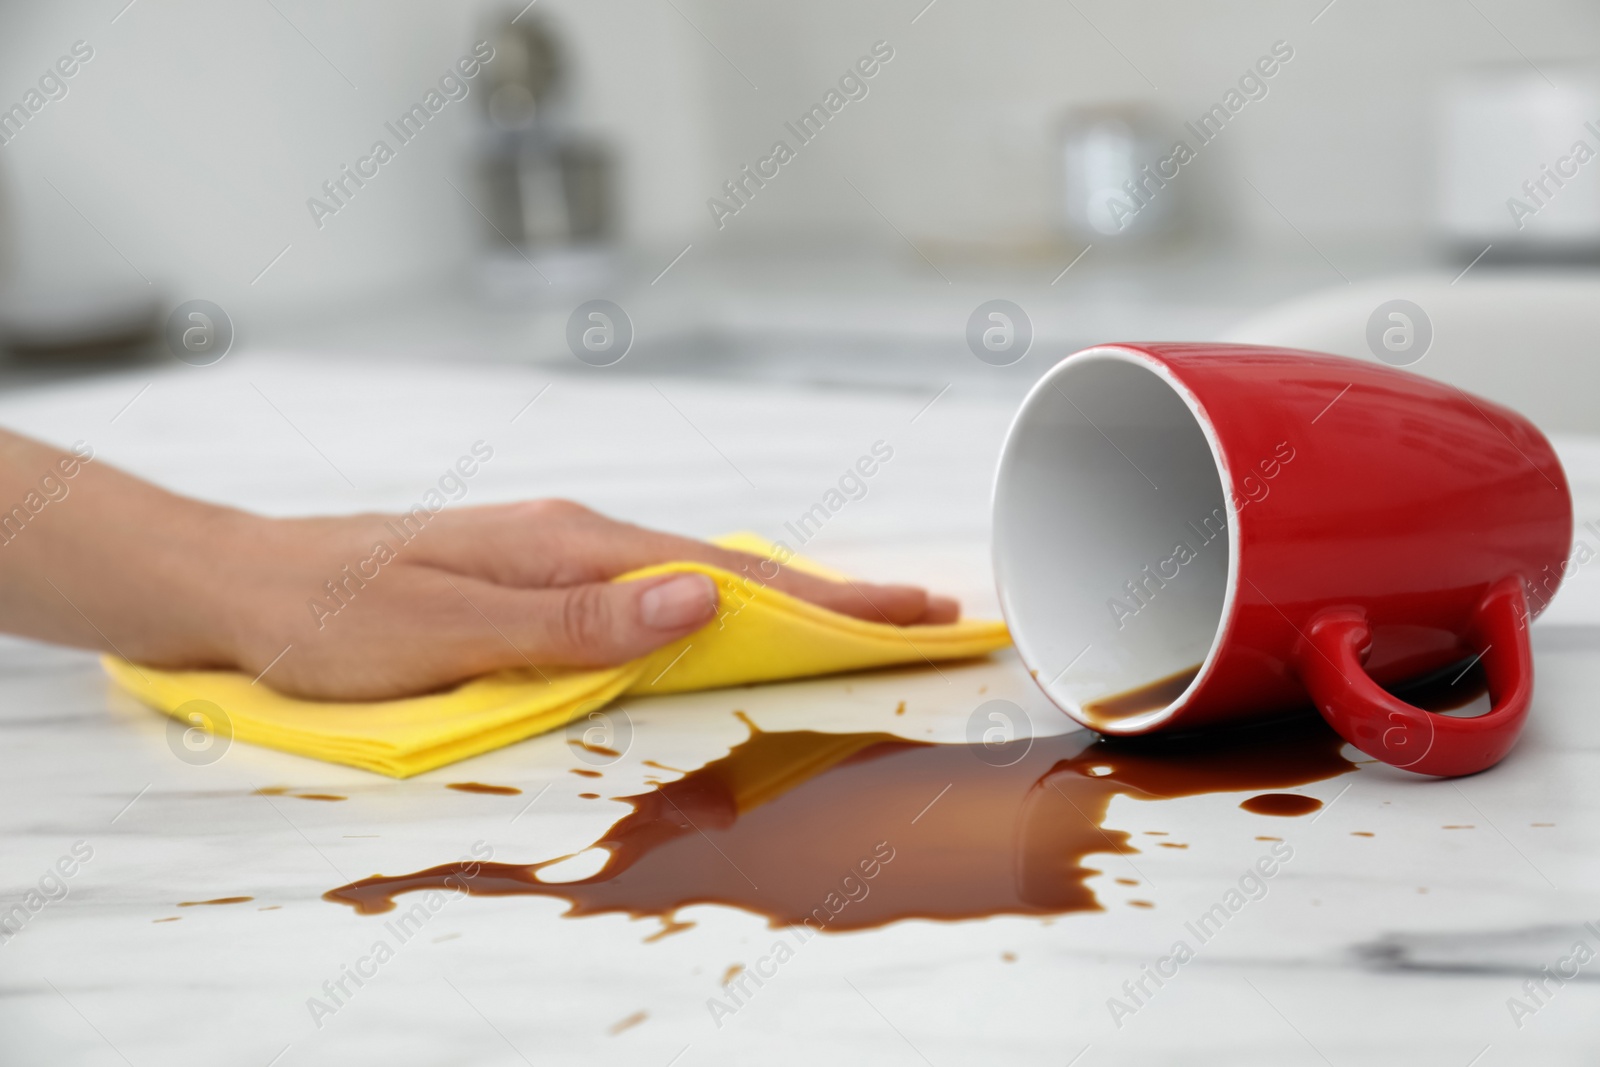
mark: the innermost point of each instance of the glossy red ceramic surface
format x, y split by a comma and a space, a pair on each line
1416, 526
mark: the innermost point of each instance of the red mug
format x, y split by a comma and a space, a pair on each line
1197, 534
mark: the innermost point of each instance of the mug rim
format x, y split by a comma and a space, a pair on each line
1155, 718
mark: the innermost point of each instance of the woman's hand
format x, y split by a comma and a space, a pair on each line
366, 614
364, 607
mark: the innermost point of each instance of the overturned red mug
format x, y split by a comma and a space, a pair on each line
1195, 534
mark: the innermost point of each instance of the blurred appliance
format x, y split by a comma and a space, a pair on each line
79, 323
1519, 162
1110, 188
548, 187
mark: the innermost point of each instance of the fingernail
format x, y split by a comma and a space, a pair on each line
686, 599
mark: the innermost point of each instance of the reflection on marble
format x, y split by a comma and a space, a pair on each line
1400, 947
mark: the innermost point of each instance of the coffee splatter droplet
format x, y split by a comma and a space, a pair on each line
218, 900
490, 790
1284, 804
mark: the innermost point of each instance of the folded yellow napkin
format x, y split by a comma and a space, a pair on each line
760, 635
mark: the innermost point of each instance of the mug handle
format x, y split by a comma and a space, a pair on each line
1330, 662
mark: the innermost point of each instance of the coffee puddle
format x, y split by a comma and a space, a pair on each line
851, 831
858, 830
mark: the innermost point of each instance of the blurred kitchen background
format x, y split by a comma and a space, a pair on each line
1374, 164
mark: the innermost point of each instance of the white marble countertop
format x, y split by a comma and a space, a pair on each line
1403, 947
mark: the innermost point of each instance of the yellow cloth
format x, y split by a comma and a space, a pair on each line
760, 635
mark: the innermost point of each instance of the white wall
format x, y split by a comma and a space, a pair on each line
954, 142
195, 135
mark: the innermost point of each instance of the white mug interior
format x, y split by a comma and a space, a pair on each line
1114, 540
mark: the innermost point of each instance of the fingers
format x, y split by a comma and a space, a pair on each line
896, 605
428, 629
422, 630
557, 543
597, 624
625, 547
941, 610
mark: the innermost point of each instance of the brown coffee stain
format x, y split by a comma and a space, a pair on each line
588, 796
1127, 881
168, 919
841, 831
629, 1023
664, 767
900, 708
1140, 904
1453, 687
669, 926
270, 907
1285, 804
734, 970
1170, 844
285, 791
1461, 826
585, 772
1362, 833
1009, 957
598, 750
1264, 837
1158, 694
218, 900
480, 787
